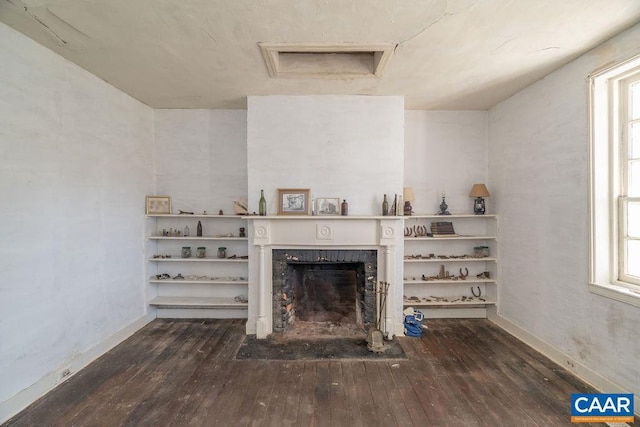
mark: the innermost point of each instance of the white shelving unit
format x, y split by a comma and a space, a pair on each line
474, 296
193, 287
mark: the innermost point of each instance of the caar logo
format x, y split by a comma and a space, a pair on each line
593, 408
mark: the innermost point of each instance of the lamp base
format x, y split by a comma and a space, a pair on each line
408, 210
443, 208
478, 206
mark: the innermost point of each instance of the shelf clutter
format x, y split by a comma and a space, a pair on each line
444, 301
197, 265
463, 252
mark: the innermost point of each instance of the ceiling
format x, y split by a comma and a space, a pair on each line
449, 55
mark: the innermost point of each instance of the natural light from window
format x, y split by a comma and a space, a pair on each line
632, 240
614, 172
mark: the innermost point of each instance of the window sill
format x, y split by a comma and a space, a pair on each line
616, 292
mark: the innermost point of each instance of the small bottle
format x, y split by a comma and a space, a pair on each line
344, 208
199, 229
262, 206
385, 206
185, 233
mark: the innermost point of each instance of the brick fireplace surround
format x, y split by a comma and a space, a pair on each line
309, 234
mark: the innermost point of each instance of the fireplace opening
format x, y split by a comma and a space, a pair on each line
324, 293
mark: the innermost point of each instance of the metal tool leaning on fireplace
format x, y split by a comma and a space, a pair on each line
376, 335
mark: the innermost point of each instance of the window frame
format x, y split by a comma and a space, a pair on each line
626, 121
608, 122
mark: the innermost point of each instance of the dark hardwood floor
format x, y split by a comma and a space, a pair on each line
182, 372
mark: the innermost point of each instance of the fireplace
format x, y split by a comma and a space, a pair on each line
323, 292
338, 260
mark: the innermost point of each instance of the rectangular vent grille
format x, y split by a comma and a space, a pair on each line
341, 61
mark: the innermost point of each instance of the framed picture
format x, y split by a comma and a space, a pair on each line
327, 206
293, 201
158, 205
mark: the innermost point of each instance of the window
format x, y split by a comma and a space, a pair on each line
629, 229
614, 99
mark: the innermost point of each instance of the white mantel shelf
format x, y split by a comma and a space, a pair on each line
319, 232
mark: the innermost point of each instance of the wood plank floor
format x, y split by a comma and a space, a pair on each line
182, 373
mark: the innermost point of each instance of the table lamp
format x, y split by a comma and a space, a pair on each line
479, 191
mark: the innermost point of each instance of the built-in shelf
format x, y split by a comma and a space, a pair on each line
187, 216
413, 303
434, 282
213, 282
179, 259
457, 237
470, 230
439, 260
444, 217
196, 238
325, 217
196, 302
210, 284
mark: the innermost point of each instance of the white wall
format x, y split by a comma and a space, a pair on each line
338, 146
538, 170
445, 151
75, 165
201, 158
77, 158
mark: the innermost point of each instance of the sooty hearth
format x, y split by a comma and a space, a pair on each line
323, 291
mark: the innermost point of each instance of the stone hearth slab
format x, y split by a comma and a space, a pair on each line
314, 349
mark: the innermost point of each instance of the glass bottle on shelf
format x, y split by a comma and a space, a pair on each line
385, 206
185, 233
262, 205
344, 208
199, 229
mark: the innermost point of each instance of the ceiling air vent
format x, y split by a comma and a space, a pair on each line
328, 61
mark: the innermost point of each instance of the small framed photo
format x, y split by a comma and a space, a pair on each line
293, 201
158, 205
327, 206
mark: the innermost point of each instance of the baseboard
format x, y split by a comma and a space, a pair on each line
24, 398
581, 371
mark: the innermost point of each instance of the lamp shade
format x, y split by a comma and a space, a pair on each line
479, 190
407, 194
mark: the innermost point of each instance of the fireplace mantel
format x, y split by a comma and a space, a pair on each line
382, 233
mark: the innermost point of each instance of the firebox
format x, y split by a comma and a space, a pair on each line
330, 289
